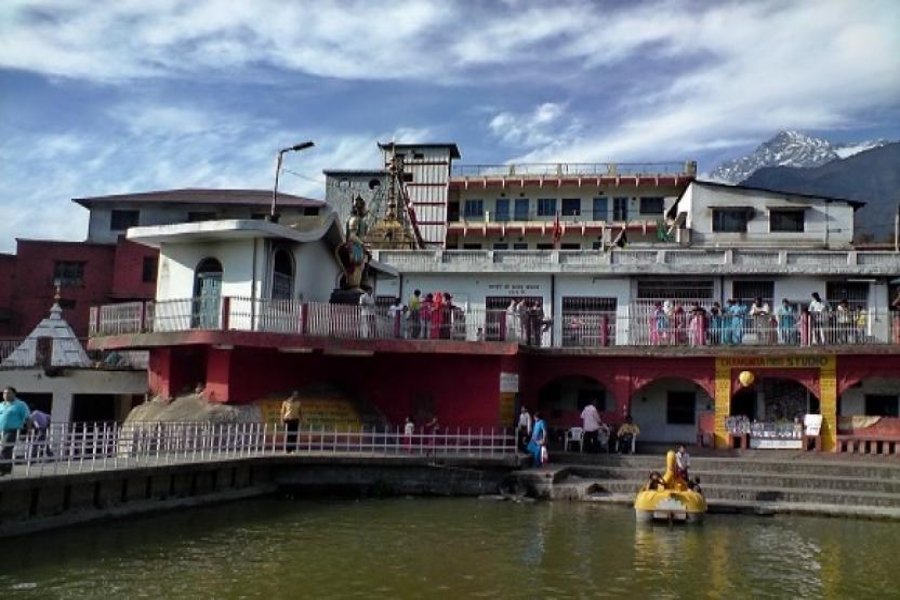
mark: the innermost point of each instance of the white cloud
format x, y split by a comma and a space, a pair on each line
540, 127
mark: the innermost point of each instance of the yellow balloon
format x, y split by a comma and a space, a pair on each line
746, 378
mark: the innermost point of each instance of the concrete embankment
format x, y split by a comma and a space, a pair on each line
823, 485
30, 504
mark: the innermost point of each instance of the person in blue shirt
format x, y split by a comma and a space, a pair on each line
538, 439
14, 414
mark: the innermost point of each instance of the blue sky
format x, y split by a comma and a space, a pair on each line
105, 97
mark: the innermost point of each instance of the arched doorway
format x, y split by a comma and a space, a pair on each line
669, 409
561, 401
282, 275
207, 294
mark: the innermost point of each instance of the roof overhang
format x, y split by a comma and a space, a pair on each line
225, 230
788, 207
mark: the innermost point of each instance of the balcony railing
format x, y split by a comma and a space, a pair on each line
639, 324
574, 169
511, 216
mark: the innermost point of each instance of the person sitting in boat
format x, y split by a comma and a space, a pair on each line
682, 462
656, 481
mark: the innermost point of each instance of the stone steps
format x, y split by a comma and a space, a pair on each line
802, 483
741, 478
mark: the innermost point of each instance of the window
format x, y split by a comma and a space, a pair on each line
501, 209
571, 207
787, 220
652, 206
583, 319
680, 408
418, 156
882, 406
620, 209
473, 209
546, 207
522, 208
67, 273
596, 245
120, 220
453, 212
856, 293
501, 246
570, 246
471, 246
520, 246
545, 246
746, 292
283, 275
407, 177
731, 220
194, 217
683, 290
148, 274
601, 209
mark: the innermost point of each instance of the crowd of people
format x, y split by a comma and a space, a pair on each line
670, 323
526, 322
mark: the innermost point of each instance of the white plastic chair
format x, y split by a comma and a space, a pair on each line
575, 435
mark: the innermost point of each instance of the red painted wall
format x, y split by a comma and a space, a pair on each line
176, 370
33, 290
128, 271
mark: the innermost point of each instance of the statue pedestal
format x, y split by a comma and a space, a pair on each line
339, 296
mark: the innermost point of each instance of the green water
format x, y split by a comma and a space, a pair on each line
451, 548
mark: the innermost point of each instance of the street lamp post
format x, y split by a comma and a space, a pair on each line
273, 216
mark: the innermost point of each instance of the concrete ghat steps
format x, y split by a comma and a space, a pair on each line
801, 483
743, 478
714, 493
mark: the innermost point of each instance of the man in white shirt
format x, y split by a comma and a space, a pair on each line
523, 430
591, 424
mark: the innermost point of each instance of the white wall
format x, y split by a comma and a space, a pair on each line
317, 271
853, 401
825, 223
650, 414
178, 263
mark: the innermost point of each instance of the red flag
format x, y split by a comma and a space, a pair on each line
557, 231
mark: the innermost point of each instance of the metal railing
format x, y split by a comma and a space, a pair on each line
68, 448
605, 218
575, 169
636, 324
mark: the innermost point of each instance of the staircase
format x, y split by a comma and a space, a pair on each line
824, 484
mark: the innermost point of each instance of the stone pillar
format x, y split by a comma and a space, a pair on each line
61, 408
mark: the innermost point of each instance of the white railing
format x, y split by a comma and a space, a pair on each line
67, 448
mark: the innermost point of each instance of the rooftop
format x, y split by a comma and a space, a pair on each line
202, 196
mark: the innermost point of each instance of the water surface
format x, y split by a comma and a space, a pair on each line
450, 548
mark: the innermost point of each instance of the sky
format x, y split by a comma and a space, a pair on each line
121, 96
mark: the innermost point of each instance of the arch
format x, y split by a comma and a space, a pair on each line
561, 400
283, 272
207, 294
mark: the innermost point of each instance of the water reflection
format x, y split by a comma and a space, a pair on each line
450, 548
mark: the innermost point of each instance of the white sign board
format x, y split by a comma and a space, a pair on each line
812, 424
509, 382
775, 444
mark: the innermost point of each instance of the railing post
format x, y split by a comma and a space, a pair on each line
142, 323
604, 330
226, 313
304, 318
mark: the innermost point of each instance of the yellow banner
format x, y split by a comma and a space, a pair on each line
328, 412
776, 362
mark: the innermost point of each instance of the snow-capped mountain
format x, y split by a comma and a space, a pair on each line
788, 149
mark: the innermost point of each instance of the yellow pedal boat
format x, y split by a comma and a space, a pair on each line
669, 498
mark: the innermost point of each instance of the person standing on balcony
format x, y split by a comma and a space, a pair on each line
759, 313
512, 321
786, 323
415, 315
291, 412
817, 313
734, 333
367, 313
396, 312
14, 415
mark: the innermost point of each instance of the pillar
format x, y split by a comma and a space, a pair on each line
61, 407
